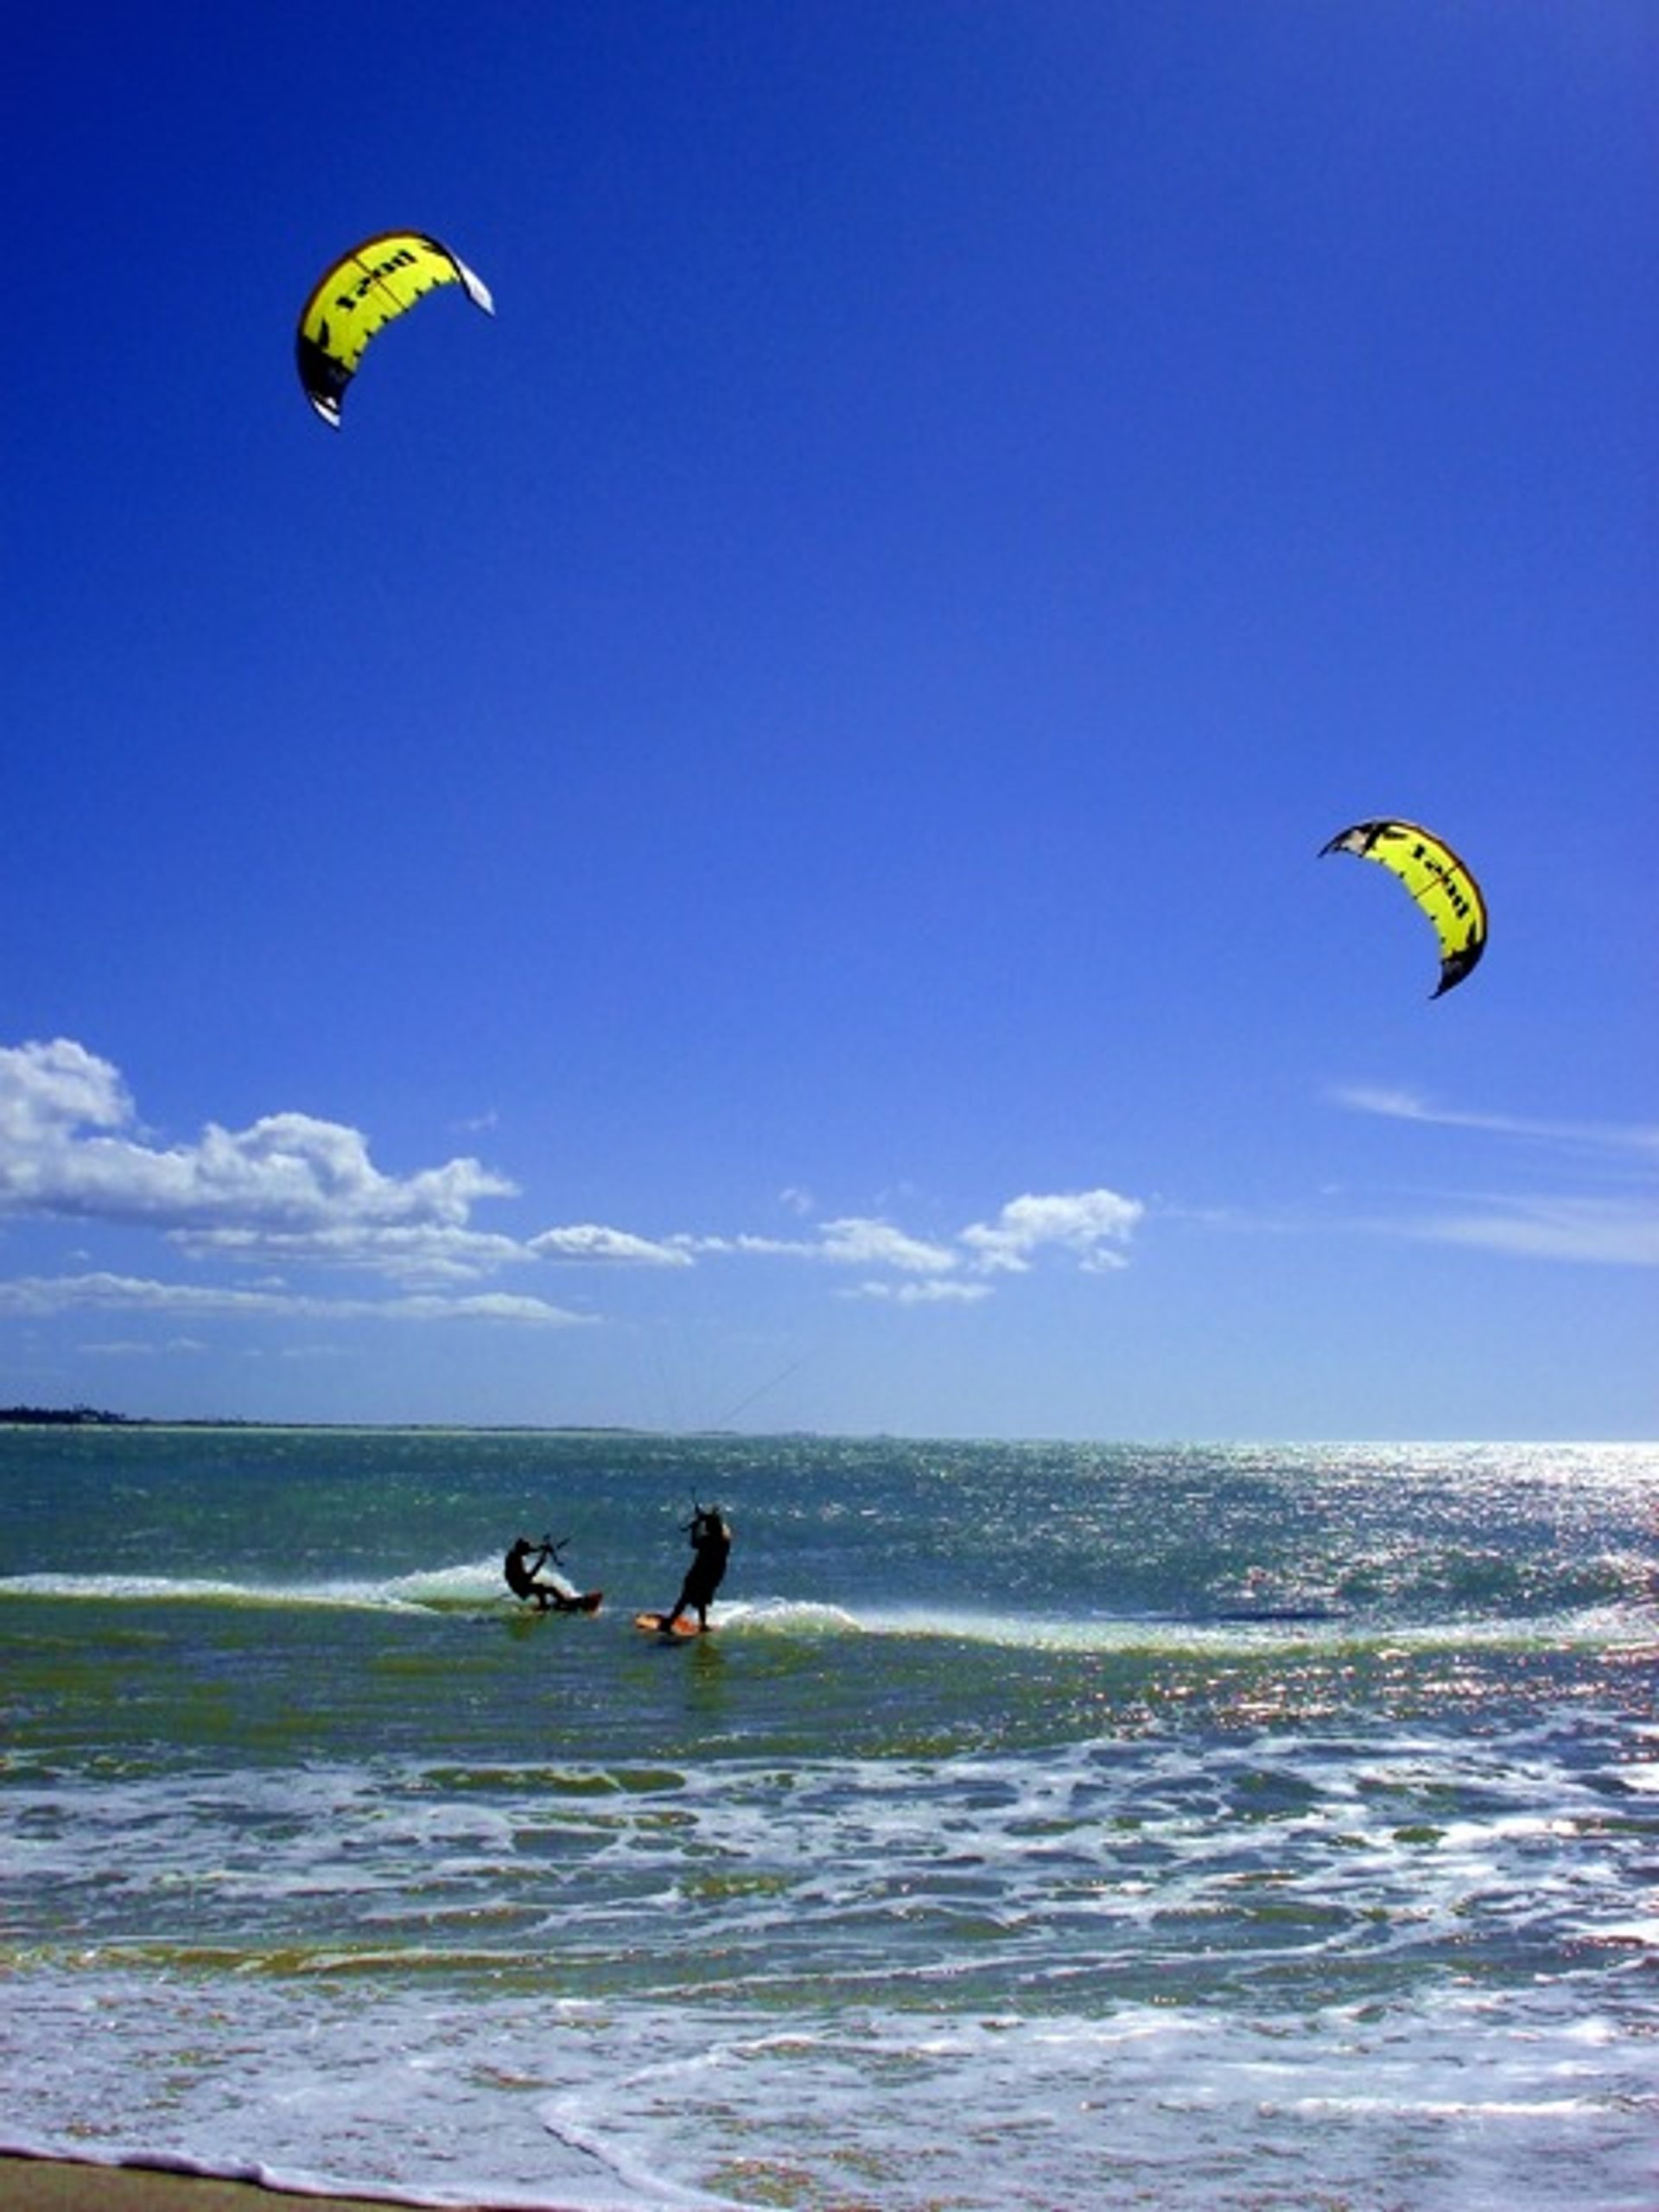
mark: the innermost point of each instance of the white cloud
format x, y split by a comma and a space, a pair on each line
47, 1088
854, 1243
486, 1305
136, 1348
288, 1173
100, 1291
1091, 1226
418, 1254
292, 1192
752, 1247
291, 1189
1089, 1223
586, 1242
103, 1292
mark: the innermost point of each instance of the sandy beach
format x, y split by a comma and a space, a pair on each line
61, 2185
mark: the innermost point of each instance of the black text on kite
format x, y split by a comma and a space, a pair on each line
362, 292
1436, 879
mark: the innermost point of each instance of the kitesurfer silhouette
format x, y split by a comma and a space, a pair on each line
711, 1545
521, 1566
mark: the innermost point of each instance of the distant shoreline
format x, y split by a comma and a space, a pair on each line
96, 1417
62, 1417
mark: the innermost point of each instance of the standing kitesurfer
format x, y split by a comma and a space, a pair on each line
522, 1568
711, 1544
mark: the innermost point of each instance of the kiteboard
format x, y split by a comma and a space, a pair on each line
589, 1601
657, 1624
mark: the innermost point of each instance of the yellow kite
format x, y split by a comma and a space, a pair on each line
1436, 879
362, 292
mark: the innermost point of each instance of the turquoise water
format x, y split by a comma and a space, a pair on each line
1043, 1825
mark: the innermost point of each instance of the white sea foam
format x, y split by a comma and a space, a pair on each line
472, 1584
1590, 1627
700, 2105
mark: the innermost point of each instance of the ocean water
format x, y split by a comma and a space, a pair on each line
1041, 1827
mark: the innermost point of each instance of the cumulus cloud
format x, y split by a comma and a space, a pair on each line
853, 1240
290, 1189
45, 1089
1092, 1225
69, 1146
293, 1191
856, 1242
409, 1255
586, 1241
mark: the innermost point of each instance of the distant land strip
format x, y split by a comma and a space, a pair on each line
97, 1417
62, 1417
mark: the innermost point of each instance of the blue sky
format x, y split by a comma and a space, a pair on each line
739, 847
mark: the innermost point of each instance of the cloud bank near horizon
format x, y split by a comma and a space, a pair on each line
294, 1191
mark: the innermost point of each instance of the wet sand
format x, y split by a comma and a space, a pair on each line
54, 2185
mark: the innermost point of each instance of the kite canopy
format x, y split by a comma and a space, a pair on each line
359, 295
1436, 879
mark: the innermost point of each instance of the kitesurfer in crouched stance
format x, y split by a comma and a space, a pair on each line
711, 1545
522, 1568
